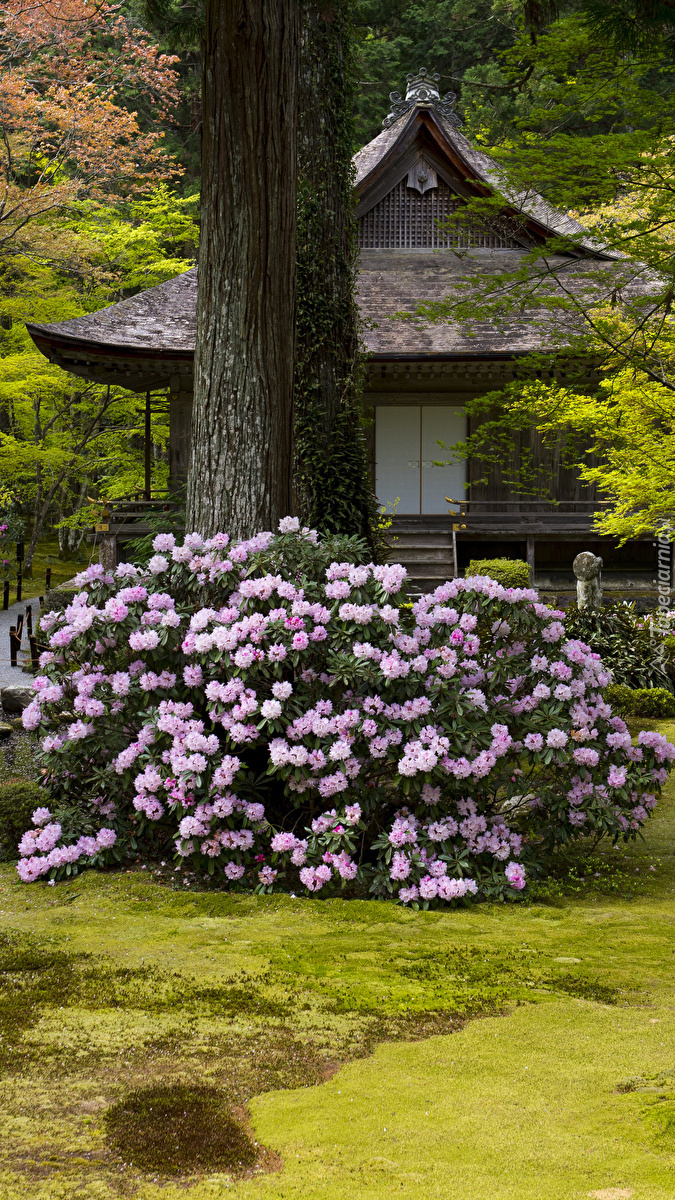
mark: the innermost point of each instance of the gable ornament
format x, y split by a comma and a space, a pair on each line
422, 177
422, 88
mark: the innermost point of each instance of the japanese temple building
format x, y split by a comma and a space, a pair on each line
418, 171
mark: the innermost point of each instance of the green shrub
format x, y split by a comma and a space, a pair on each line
59, 598
621, 698
18, 800
510, 572
654, 702
623, 641
641, 702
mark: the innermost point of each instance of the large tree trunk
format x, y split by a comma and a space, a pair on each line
331, 485
240, 472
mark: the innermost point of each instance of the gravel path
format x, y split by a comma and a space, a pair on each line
9, 674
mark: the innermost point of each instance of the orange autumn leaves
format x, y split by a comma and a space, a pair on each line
70, 71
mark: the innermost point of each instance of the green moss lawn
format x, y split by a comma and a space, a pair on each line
520, 1052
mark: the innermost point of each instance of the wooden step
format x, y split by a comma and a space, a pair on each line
427, 583
424, 546
428, 540
415, 556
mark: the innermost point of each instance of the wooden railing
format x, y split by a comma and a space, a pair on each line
528, 516
134, 509
128, 517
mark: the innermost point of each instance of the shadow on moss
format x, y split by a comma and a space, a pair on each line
584, 988
176, 1129
35, 977
31, 975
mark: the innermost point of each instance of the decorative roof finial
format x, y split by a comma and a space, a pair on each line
422, 86
422, 89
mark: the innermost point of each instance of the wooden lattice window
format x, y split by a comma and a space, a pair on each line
405, 219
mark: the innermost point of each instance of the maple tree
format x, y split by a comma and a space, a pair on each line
69, 71
77, 231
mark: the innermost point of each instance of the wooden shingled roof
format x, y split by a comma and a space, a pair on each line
147, 342
398, 282
475, 173
143, 343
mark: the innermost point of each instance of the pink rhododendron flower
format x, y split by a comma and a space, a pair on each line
428, 887
556, 738
414, 729
281, 691
144, 640
192, 676
516, 875
115, 610
400, 867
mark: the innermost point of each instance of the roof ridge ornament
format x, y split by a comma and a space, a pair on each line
422, 88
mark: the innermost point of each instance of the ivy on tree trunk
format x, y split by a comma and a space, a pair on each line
331, 486
240, 473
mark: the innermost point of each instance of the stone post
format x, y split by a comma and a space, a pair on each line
107, 551
587, 568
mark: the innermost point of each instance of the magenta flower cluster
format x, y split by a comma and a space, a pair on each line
284, 714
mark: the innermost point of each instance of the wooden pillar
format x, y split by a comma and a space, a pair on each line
148, 448
180, 423
530, 558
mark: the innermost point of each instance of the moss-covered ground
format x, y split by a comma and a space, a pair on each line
47, 556
159, 1041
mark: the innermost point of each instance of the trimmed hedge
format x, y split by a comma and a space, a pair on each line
59, 598
641, 702
510, 572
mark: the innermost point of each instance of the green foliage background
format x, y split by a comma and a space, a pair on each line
57, 431
574, 99
578, 108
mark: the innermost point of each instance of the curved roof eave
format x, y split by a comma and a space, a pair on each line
57, 340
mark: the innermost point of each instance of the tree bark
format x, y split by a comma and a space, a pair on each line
240, 472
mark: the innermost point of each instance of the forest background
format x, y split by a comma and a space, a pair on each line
99, 199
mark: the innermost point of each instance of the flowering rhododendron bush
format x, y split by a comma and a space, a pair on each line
280, 713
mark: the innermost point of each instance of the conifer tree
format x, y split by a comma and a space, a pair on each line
240, 474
